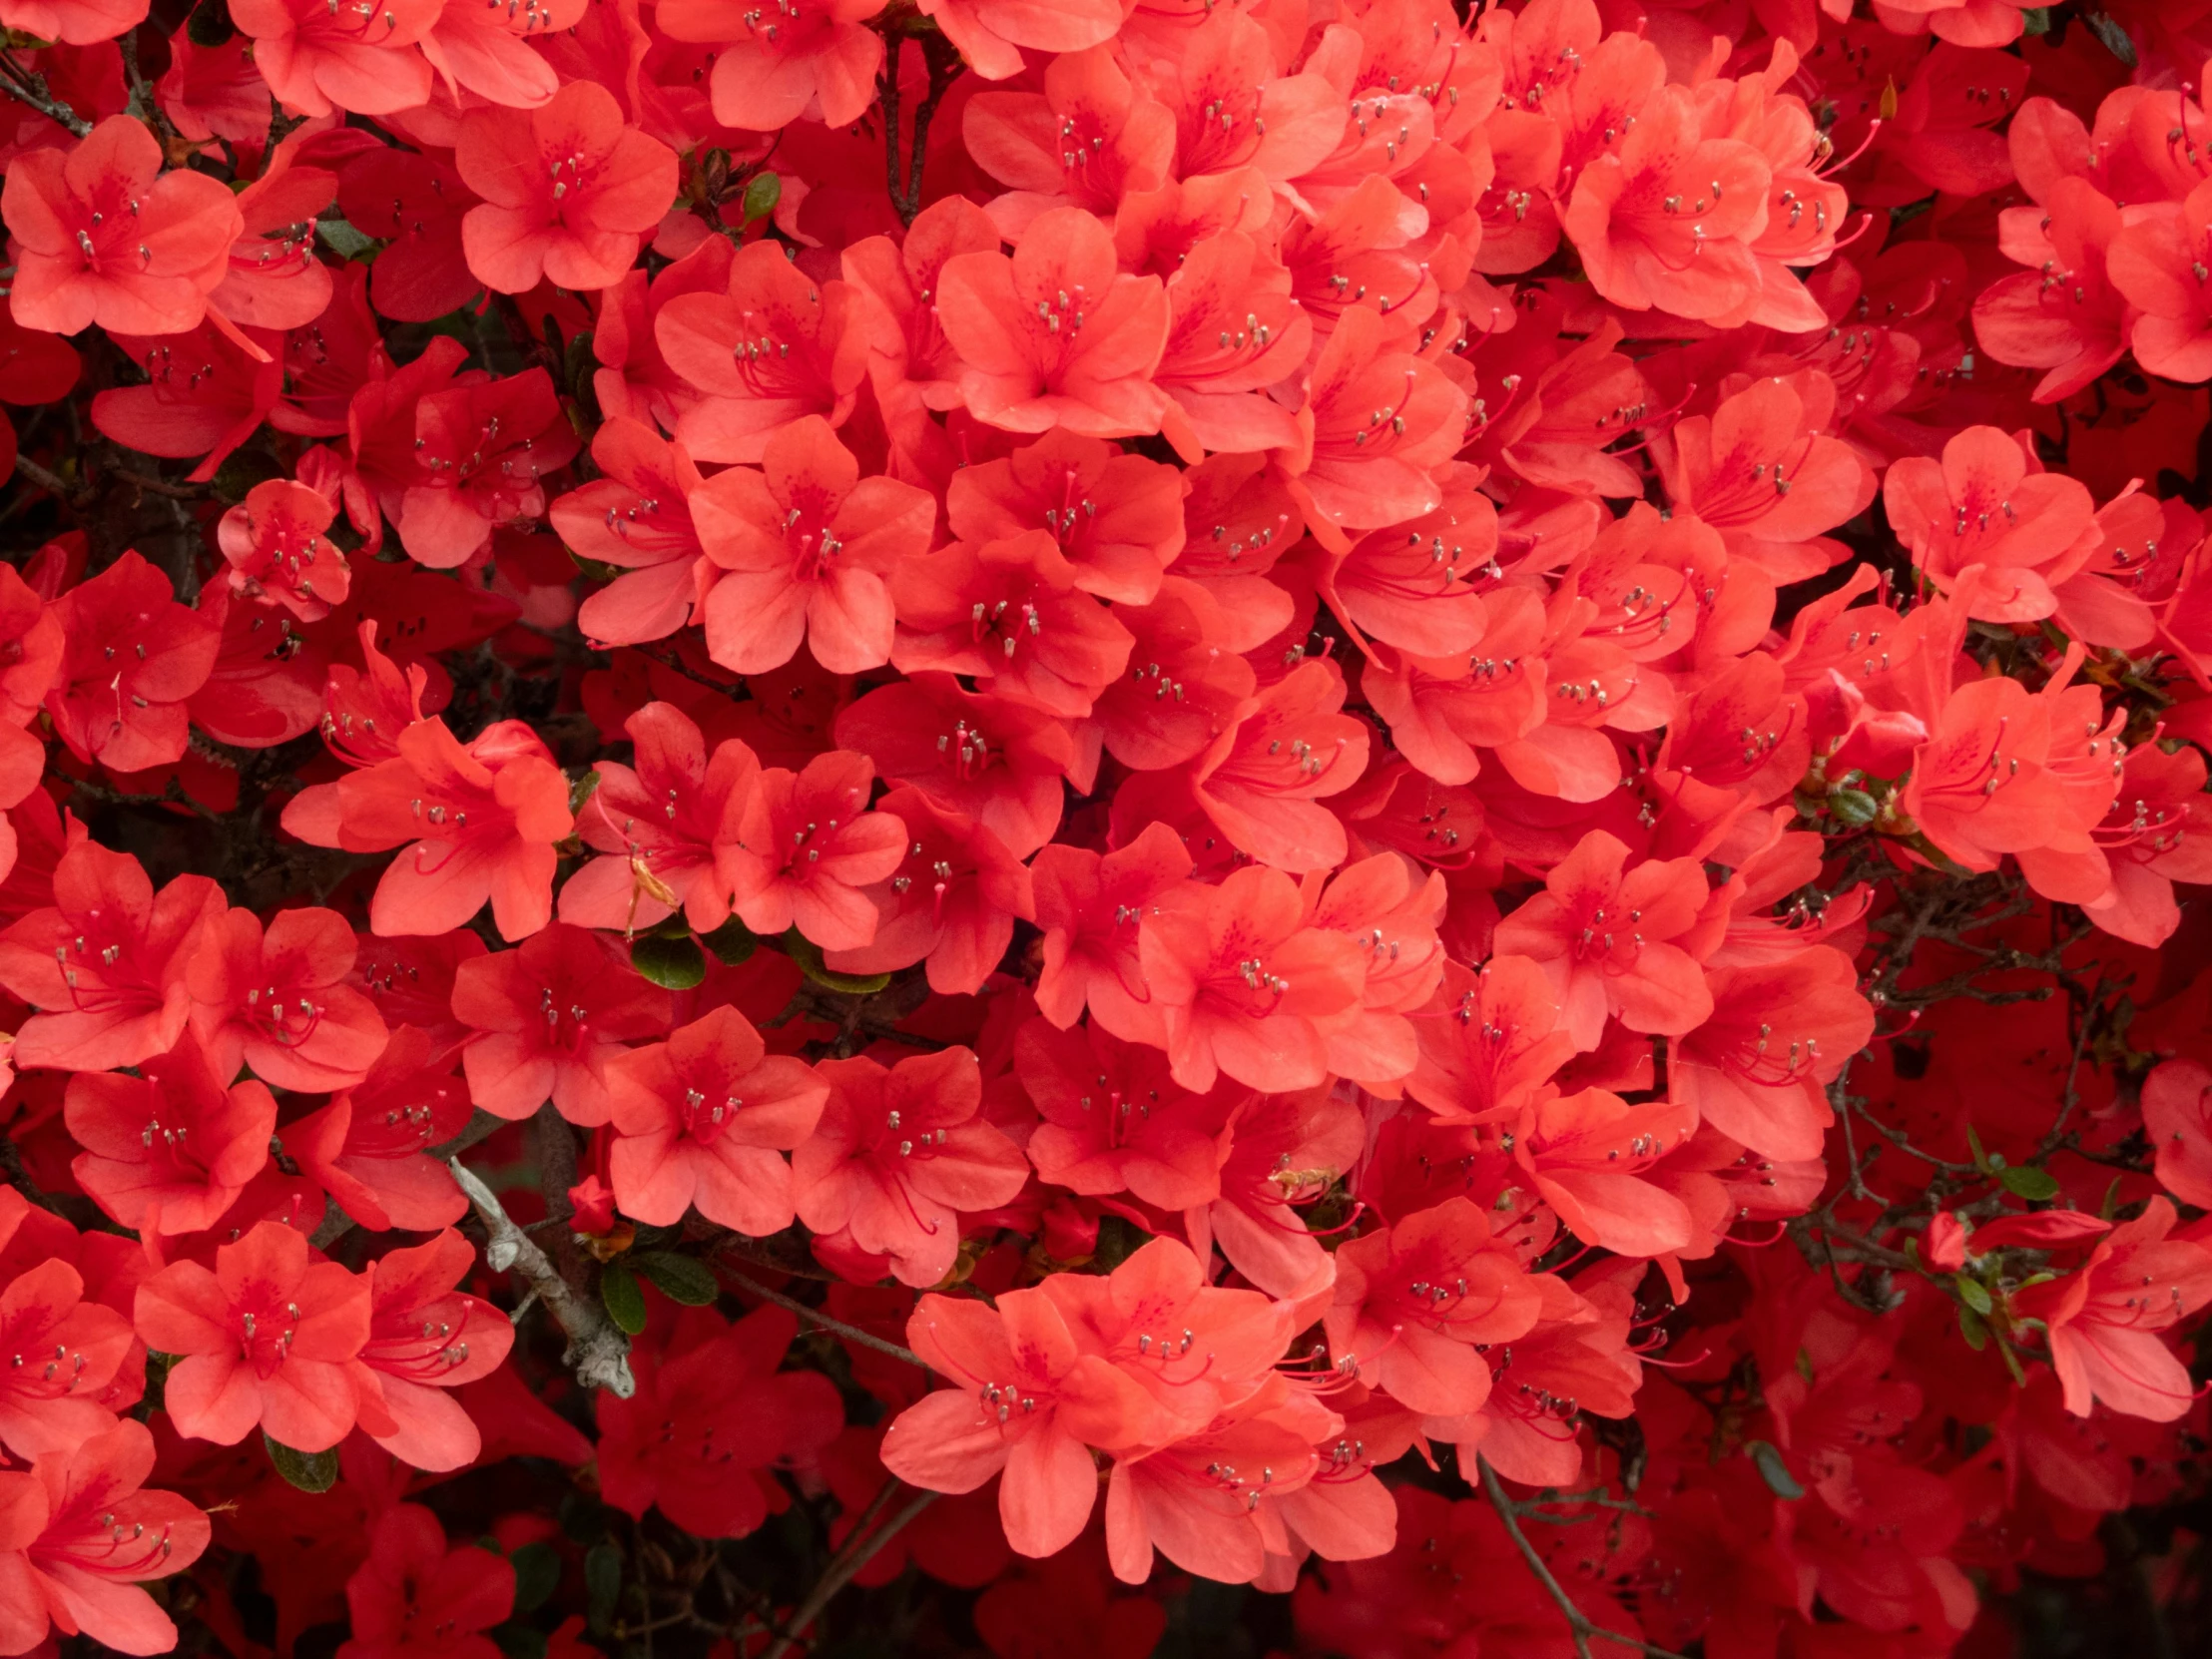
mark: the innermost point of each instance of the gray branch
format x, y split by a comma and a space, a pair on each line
598, 1351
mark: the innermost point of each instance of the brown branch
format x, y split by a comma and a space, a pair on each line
837, 1326
1580, 1626
858, 1552
30, 87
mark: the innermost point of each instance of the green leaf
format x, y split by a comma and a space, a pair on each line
581, 790
808, 955
346, 241
761, 195
2115, 37
209, 24
1975, 1295
602, 1584
310, 1471
2038, 1186
683, 1279
1974, 1328
519, 1641
672, 965
2037, 20
1774, 1471
1973, 1145
733, 943
619, 1290
1854, 807
537, 1576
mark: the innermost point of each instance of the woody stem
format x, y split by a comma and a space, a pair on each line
1579, 1626
598, 1351
30, 87
858, 1552
851, 1333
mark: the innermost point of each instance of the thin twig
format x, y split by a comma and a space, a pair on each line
51, 483
31, 88
851, 1333
598, 1351
858, 1552
1580, 1626
143, 105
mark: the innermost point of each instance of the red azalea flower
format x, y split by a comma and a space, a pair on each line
134, 655
711, 1420
106, 963
951, 901
700, 1121
898, 1154
662, 823
1604, 934
415, 1599
818, 64
481, 821
1243, 984
169, 1151
276, 543
981, 755
550, 1019
1116, 1121
1089, 907
73, 1348
770, 348
267, 1338
78, 1534
568, 191
277, 1002
1055, 335
368, 1147
426, 1338
104, 237
2104, 1321
805, 548
316, 60
1028, 1402
637, 517
806, 845
1009, 614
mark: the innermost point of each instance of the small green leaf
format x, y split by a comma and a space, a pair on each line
683, 1279
310, 1471
1774, 1471
808, 955
2038, 1186
733, 943
537, 1576
1975, 1295
1973, 1145
2037, 20
581, 790
619, 1290
519, 1641
347, 241
1805, 1364
1854, 807
761, 195
1974, 1328
2114, 36
209, 24
672, 965
602, 1584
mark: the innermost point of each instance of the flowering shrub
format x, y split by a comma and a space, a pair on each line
881, 822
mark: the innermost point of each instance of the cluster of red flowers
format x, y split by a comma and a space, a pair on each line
1380, 794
